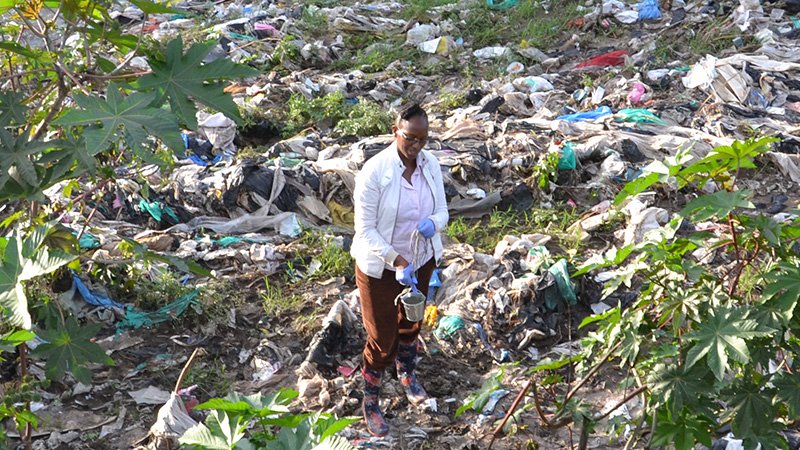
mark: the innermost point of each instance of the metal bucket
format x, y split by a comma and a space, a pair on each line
414, 306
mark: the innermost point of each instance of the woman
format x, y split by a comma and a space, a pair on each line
398, 192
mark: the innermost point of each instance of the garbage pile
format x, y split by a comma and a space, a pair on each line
569, 125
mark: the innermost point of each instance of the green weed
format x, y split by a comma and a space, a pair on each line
333, 259
527, 21
365, 118
276, 301
484, 234
209, 376
419, 10
313, 21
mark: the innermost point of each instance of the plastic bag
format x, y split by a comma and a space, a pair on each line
635, 95
559, 271
505, 4
648, 10
532, 84
638, 116
588, 115
567, 160
616, 58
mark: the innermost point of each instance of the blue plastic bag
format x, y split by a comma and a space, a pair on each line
588, 115
648, 10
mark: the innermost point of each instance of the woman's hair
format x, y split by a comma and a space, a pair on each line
410, 111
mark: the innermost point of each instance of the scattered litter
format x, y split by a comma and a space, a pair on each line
150, 395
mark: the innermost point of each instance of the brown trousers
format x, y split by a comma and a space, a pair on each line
386, 326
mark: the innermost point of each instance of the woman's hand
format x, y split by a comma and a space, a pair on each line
426, 228
404, 272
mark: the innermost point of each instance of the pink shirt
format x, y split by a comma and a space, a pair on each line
416, 203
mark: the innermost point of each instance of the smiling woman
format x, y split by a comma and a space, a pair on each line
400, 207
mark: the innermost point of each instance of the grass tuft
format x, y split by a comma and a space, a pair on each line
486, 233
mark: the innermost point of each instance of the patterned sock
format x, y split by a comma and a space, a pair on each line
406, 363
376, 424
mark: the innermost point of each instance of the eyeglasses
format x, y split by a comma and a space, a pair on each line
410, 140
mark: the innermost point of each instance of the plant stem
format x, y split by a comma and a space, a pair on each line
594, 370
185, 369
538, 406
25, 436
27, 72
733, 234
584, 440
133, 53
115, 77
622, 402
89, 219
57, 104
509, 413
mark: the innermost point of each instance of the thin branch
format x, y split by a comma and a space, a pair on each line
133, 53
89, 219
25, 436
539, 407
27, 72
72, 77
115, 77
185, 369
627, 398
591, 373
30, 25
509, 413
584, 440
57, 105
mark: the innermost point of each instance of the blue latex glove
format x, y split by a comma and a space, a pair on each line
426, 228
648, 10
406, 276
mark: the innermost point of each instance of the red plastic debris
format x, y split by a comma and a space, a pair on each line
575, 23
616, 58
346, 371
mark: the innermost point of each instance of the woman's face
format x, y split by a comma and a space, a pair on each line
412, 135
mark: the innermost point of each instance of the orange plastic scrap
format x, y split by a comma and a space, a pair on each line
431, 316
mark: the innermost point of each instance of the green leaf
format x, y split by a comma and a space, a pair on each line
717, 204
72, 159
16, 164
788, 391
679, 386
255, 404
200, 436
12, 295
69, 349
139, 120
682, 432
330, 426
14, 338
478, 400
5, 5
301, 437
335, 443
12, 108
13, 47
720, 335
786, 279
769, 228
613, 316
182, 78
750, 404
151, 7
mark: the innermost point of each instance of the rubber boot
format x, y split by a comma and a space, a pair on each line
406, 363
376, 424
